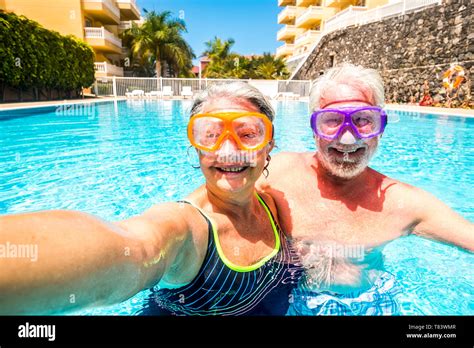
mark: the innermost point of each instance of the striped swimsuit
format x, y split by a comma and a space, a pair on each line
222, 288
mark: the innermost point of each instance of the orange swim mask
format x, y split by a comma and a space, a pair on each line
250, 130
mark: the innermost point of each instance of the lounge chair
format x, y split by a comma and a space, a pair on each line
153, 94
136, 93
287, 96
167, 91
295, 96
186, 91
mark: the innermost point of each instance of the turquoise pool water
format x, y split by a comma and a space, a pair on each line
117, 159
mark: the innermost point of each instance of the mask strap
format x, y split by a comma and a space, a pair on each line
345, 101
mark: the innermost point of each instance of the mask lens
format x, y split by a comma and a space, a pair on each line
250, 130
367, 121
207, 130
328, 122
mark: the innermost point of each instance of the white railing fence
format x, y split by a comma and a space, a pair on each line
342, 18
107, 68
357, 16
119, 86
94, 33
102, 33
100, 67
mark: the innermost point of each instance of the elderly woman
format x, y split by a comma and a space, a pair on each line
218, 252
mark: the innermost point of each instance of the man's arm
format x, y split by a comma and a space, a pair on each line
82, 260
440, 222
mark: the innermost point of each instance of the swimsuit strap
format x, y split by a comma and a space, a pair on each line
208, 220
227, 262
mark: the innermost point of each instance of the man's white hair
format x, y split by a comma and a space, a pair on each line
367, 81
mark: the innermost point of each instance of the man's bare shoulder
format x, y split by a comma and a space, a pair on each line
283, 169
284, 160
287, 155
401, 191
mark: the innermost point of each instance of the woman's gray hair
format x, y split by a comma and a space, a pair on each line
368, 81
234, 90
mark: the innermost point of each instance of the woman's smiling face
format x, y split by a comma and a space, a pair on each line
230, 168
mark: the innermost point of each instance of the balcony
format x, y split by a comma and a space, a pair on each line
128, 9
103, 10
313, 16
103, 69
294, 59
286, 2
302, 50
288, 15
346, 13
339, 3
124, 25
308, 37
103, 40
306, 3
125, 51
288, 33
285, 50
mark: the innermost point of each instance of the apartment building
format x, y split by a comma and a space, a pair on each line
97, 22
304, 22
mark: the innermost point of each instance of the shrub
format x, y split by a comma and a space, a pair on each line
32, 57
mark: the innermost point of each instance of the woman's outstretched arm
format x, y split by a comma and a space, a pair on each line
65, 260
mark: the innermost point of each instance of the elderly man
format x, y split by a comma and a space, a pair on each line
339, 211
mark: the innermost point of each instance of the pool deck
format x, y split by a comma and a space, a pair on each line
25, 105
431, 110
398, 107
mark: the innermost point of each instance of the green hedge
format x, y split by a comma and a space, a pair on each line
32, 57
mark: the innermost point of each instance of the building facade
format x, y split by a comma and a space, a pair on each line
304, 22
411, 47
97, 22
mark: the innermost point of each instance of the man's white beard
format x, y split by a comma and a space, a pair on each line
346, 168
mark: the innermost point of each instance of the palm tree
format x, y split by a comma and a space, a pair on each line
269, 67
225, 64
237, 66
218, 51
160, 38
266, 70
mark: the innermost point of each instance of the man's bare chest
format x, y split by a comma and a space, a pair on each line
343, 222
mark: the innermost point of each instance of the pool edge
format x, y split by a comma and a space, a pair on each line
52, 103
457, 112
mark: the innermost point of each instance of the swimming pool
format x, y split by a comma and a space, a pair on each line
116, 159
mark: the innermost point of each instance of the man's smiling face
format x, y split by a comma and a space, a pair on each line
348, 155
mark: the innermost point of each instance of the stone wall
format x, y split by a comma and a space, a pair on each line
407, 50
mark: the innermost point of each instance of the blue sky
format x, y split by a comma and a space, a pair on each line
251, 23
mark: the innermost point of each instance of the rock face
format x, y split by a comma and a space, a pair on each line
406, 50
